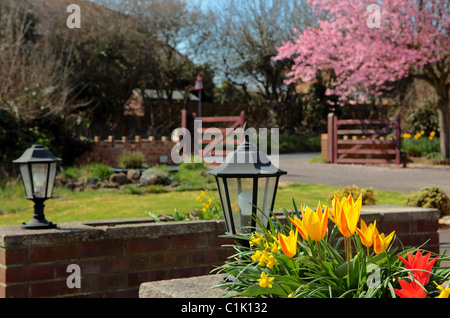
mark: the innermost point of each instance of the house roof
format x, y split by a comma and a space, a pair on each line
162, 94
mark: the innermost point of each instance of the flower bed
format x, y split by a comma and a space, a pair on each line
304, 258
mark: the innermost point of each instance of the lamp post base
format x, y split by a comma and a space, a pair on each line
36, 224
38, 221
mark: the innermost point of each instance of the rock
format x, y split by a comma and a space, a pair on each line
146, 180
110, 185
133, 175
155, 176
92, 181
119, 178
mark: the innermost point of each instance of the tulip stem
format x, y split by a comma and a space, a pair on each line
295, 267
320, 254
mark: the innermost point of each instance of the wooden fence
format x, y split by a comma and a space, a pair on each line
364, 141
227, 126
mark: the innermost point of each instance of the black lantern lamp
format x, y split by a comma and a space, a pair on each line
38, 169
247, 182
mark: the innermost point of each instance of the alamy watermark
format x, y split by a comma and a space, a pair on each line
374, 19
74, 19
74, 279
216, 147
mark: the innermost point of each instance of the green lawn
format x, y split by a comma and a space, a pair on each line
67, 206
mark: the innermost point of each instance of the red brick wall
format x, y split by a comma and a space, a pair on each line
112, 262
109, 151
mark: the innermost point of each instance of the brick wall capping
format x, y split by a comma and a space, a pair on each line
14, 236
393, 213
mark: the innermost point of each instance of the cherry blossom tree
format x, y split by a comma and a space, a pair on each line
371, 44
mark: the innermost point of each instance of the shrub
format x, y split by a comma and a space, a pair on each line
131, 160
430, 197
94, 170
420, 145
368, 196
423, 119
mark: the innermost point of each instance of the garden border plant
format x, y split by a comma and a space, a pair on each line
278, 262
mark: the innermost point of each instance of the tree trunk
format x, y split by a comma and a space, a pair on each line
444, 124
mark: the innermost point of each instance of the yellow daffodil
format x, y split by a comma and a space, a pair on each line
381, 243
274, 247
256, 256
445, 291
432, 134
265, 280
289, 243
199, 198
203, 193
256, 239
367, 233
263, 258
271, 261
406, 135
345, 214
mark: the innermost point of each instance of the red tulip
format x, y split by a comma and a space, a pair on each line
412, 290
420, 266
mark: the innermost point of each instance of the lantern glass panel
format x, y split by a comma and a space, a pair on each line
224, 201
266, 189
51, 180
40, 174
26, 178
241, 193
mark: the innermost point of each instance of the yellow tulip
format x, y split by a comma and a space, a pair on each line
367, 233
300, 226
315, 222
289, 243
345, 214
381, 243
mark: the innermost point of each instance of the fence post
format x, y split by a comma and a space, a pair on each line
183, 118
398, 141
242, 118
331, 120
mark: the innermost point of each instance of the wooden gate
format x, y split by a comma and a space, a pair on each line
227, 126
364, 141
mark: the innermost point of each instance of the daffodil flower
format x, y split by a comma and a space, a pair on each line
445, 291
265, 280
271, 261
256, 239
274, 247
256, 256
